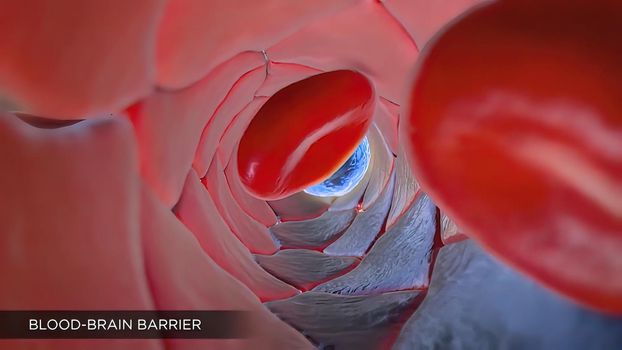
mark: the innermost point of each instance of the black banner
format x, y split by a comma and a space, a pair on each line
125, 324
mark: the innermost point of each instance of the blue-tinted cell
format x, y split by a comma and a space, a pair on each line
347, 176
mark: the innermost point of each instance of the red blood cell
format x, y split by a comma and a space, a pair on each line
76, 59
515, 129
304, 133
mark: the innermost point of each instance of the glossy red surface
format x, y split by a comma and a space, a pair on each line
315, 124
515, 129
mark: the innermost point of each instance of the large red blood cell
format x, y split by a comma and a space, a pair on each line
515, 129
304, 133
76, 59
